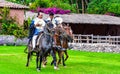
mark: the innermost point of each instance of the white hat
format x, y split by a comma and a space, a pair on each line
59, 20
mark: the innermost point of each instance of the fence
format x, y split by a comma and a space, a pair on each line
78, 38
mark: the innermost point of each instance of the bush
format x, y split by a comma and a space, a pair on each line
20, 33
104, 6
53, 4
10, 26
54, 10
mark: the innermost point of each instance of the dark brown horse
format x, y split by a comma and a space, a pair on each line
57, 40
67, 37
61, 37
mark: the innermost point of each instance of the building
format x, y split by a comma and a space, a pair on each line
87, 24
16, 10
93, 24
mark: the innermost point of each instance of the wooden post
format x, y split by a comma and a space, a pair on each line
109, 39
97, 39
105, 39
117, 40
80, 38
87, 39
73, 38
92, 38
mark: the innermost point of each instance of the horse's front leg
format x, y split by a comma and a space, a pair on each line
40, 62
37, 60
63, 61
44, 61
28, 59
66, 55
60, 56
54, 59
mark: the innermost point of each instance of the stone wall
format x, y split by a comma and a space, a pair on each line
97, 47
11, 40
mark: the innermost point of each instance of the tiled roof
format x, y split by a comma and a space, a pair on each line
12, 5
83, 18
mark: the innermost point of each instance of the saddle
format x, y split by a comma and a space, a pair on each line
38, 38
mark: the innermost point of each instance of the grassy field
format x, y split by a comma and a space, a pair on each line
13, 60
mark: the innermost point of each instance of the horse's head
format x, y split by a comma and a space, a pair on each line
49, 28
59, 30
68, 30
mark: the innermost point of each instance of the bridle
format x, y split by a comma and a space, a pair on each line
49, 29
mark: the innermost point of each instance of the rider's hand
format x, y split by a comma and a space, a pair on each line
37, 24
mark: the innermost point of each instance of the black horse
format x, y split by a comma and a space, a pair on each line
45, 45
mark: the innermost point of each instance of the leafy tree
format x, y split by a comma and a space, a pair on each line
104, 6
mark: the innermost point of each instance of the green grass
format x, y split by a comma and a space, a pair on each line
13, 60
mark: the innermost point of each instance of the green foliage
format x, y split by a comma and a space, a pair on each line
64, 4
40, 3
20, 33
104, 6
10, 26
24, 2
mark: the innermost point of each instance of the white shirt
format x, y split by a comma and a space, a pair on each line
40, 22
53, 21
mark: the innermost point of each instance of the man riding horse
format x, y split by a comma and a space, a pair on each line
37, 25
37, 28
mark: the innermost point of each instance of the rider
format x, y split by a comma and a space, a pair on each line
56, 21
38, 24
52, 20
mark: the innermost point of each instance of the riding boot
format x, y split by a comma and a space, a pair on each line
34, 49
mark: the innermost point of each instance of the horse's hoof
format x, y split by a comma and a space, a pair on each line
26, 65
56, 68
65, 66
38, 70
44, 66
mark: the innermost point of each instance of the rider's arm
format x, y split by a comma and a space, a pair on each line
32, 24
36, 23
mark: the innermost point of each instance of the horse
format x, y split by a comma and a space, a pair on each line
62, 42
44, 46
67, 37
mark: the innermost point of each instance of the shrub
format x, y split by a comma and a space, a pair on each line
10, 26
53, 4
54, 10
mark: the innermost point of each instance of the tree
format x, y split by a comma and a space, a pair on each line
104, 6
